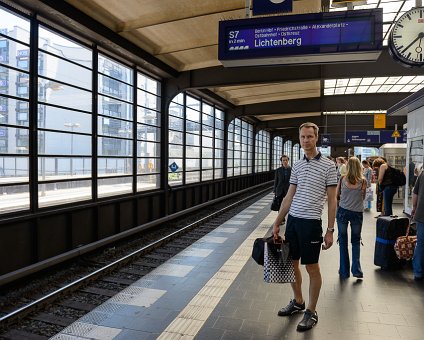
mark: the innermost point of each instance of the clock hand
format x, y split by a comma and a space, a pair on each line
420, 36
412, 43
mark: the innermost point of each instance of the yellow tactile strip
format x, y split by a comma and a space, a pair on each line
191, 319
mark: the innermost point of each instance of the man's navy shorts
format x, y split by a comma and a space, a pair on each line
305, 239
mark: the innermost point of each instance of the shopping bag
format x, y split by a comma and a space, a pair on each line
278, 264
405, 246
369, 195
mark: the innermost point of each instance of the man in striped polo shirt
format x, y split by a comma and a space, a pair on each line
312, 179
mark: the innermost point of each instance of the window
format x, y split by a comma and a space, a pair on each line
262, 151
196, 141
115, 128
296, 153
23, 64
277, 152
64, 120
148, 133
288, 151
240, 148
14, 127
128, 131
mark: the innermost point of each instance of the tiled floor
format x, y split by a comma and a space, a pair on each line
214, 290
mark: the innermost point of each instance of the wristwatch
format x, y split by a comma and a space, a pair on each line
331, 230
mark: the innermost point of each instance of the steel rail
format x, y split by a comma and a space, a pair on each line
33, 306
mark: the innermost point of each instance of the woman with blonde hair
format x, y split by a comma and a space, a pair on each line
351, 189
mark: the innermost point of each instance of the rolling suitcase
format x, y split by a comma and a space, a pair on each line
388, 229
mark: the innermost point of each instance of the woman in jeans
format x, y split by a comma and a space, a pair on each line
385, 178
418, 215
351, 189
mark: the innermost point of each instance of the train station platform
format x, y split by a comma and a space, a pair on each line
214, 290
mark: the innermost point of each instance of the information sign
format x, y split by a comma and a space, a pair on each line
173, 167
299, 35
325, 140
362, 137
374, 137
396, 134
380, 121
386, 136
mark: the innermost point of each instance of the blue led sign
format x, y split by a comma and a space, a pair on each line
273, 40
373, 137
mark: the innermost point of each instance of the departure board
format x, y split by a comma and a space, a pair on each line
320, 33
325, 33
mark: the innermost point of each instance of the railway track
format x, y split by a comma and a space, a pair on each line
61, 296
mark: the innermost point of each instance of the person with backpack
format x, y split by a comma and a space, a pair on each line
389, 179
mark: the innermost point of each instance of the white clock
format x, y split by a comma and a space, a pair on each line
406, 41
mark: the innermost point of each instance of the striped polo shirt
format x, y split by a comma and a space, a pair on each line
311, 177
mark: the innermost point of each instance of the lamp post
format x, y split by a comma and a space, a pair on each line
72, 126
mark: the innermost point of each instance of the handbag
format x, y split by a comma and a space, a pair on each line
405, 246
276, 203
369, 195
258, 251
278, 264
259, 248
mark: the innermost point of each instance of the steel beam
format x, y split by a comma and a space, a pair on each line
361, 102
220, 76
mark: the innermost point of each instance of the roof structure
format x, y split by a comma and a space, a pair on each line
178, 40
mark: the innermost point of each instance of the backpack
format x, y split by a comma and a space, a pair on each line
398, 177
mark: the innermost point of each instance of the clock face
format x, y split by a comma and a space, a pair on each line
406, 41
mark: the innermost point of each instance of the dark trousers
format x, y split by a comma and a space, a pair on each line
388, 194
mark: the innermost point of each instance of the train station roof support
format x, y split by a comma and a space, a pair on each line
220, 77
177, 41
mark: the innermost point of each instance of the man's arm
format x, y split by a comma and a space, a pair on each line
415, 195
284, 209
414, 205
332, 206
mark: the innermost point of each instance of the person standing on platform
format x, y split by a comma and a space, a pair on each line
282, 177
341, 167
351, 189
367, 172
385, 184
312, 179
418, 215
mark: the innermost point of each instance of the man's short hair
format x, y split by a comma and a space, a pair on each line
310, 125
281, 158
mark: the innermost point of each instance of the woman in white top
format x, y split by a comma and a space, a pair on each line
367, 172
341, 167
351, 189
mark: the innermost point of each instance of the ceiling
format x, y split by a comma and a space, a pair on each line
182, 35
